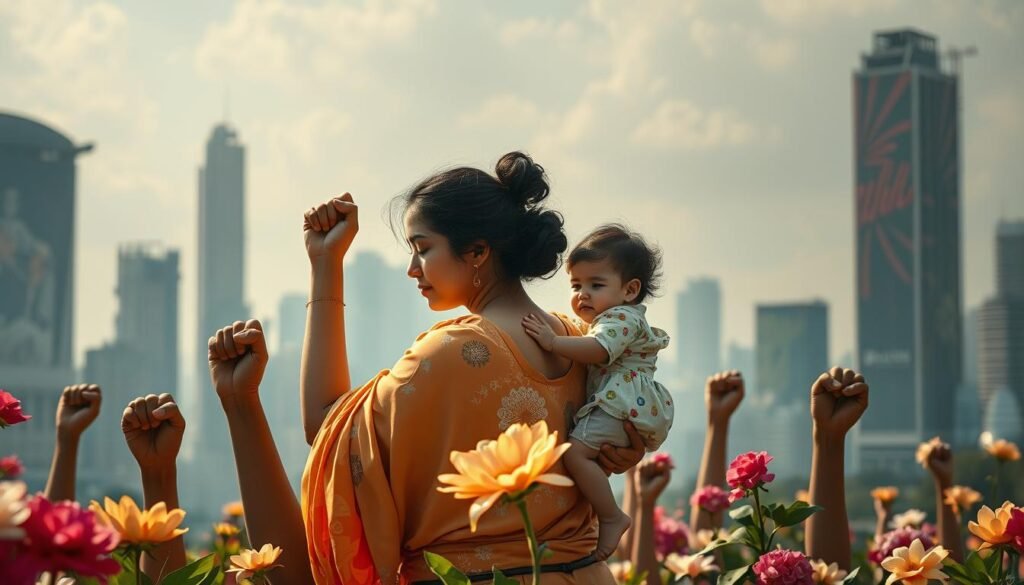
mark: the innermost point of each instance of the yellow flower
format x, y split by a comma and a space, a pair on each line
912, 518
913, 566
691, 566
622, 571
136, 526
520, 457
1001, 449
249, 562
12, 509
925, 449
960, 498
885, 494
225, 529
991, 525
233, 509
705, 536
827, 574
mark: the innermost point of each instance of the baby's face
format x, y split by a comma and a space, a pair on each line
596, 287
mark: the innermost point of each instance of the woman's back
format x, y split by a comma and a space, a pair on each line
462, 382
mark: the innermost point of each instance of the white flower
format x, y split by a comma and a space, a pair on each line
13, 511
912, 518
691, 566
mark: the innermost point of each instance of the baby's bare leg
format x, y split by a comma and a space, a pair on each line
581, 461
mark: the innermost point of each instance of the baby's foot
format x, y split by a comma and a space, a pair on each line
609, 534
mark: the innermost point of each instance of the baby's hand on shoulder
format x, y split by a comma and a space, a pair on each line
540, 331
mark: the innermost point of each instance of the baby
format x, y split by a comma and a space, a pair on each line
612, 272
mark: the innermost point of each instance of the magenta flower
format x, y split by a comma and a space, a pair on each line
783, 567
894, 539
747, 472
64, 537
711, 498
10, 410
1015, 529
11, 467
670, 534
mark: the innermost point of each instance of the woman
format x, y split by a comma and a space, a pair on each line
370, 502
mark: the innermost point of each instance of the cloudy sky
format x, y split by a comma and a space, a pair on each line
721, 129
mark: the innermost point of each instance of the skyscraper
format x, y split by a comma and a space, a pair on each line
1001, 326
698, 335
221, 298
792, 349
142, 359
37, 229
907, 224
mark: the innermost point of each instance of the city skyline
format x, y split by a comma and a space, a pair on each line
317, 130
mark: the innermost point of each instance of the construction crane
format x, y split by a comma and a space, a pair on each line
956, 56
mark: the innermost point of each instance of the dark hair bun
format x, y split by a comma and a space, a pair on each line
541, 242
524, 178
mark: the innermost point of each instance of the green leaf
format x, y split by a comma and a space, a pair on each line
744, 515
637, 579
501, 579
734, 576
852, 576
441, 567
201, 571
796, 513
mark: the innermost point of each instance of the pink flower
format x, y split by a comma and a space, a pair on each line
894, 539
665, 458
783, 567
711, 498
64, 537
1015, 529
670, 534
10, 410
749, 471
11, 467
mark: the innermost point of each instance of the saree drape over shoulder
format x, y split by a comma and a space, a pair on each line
369, 492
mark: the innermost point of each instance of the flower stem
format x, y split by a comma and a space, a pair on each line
760, 519
138, 566
531, 539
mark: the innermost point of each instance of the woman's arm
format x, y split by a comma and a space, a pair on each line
651, 480
329, 230
238, 358
79, 405
939, 462
838, 399
153, 428
723, 393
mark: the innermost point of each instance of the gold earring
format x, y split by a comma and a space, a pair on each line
476, 275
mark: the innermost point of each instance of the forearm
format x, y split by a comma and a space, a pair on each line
161, 485
881, 523
949, 526
325, 371
828, 530
630, 506
644, 557
585, 350
711, 472
272, 514
61, 483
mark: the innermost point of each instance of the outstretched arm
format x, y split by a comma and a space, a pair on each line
838, 399
329, 229
585, 350
723, 393
651, 480
153, 428
238, 358
79, 405
937, 457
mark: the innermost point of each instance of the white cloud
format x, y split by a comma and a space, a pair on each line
304, 138
532, 29
773, 54
681, 124
704, 35
502, 111
270, 38
810, 12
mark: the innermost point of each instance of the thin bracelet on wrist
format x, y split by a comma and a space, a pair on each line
334, 299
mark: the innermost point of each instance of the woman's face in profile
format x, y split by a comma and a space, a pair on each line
442, 277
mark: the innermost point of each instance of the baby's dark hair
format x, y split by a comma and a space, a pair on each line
629, 253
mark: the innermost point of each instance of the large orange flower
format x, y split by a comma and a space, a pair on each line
519, 458
140, 527
252, 562
914, 566
991, 525
885, 494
